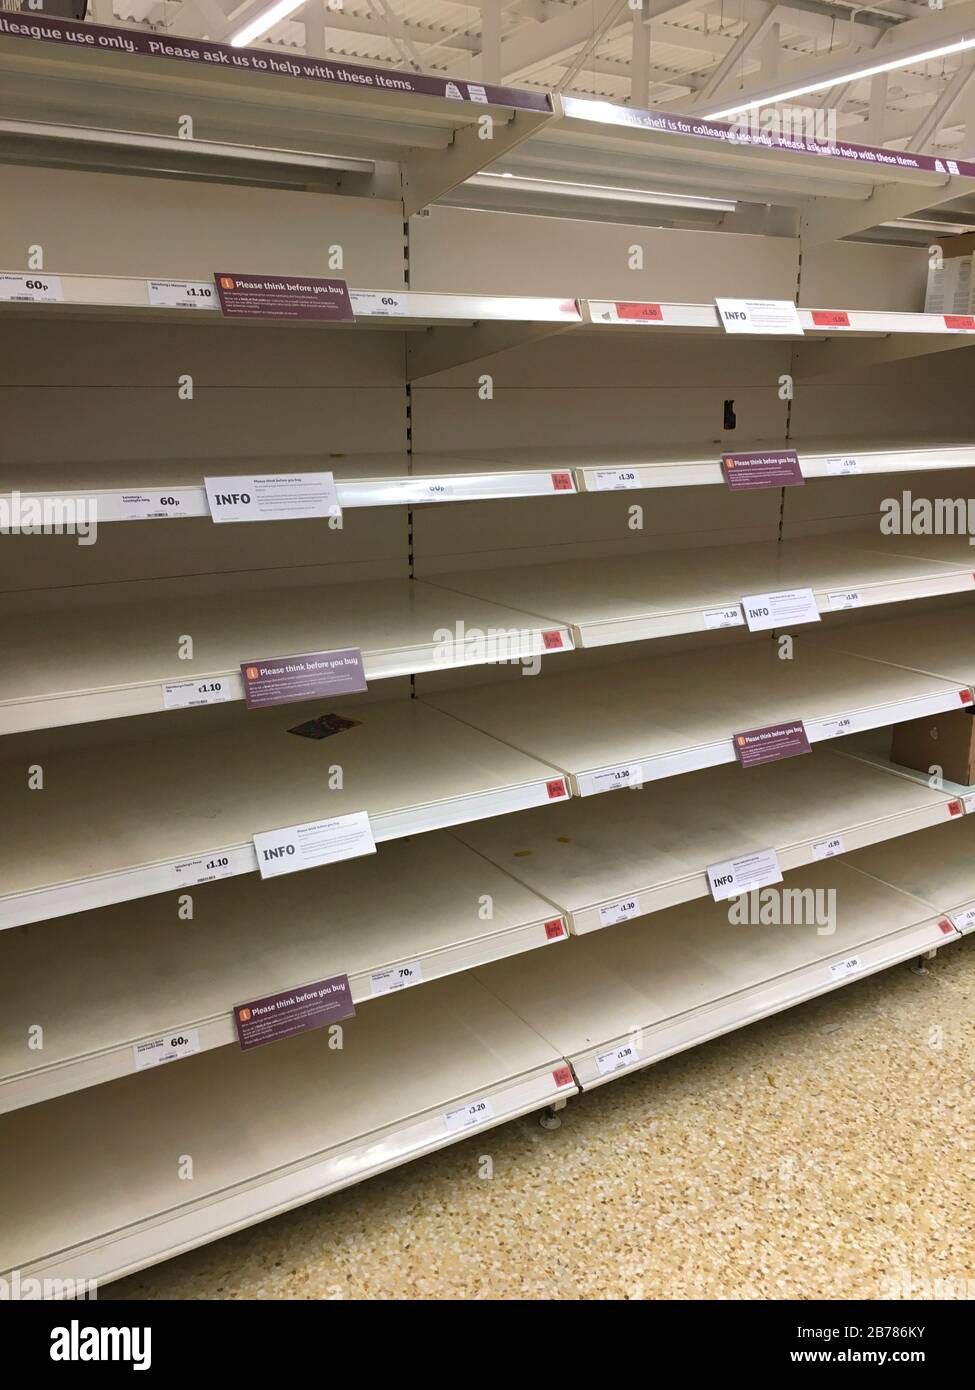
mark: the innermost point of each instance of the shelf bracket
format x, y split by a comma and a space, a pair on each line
429, 174
439, 349
825, 220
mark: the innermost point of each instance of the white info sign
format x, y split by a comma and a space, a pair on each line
732, 877
763, 316
781, 609
316, 842
273, 497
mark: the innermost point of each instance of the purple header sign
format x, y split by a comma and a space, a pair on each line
283, 297
278, 1016
777, 468
101, 38
771, 743
743, 133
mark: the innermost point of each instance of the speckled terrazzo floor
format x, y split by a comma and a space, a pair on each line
828, 1152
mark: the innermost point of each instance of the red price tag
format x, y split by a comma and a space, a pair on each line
555, 790
640, 313
965, 696
562, 482
554, 929
562, 1076
960, 321
831, 318
954, 808
946, 927
551, 641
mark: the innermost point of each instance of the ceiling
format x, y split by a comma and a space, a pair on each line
696, 56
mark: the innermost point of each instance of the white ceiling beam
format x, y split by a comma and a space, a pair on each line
942, 108
937, 29
731, 65
640, 61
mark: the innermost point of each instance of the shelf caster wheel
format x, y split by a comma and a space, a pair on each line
549, 1118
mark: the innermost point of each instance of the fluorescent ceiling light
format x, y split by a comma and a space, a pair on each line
920, 224
823, 83
607, 192
264, 20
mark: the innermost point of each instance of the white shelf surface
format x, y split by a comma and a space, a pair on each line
174, 490
673, 981
620, 468
664, 593
104, 981
394, 309
91, 661
619, 315
90, 1186
940, 870
941, 643
651, 848
659, 717
672, 151
114, 823
295, 118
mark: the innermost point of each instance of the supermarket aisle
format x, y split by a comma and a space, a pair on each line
822, 1153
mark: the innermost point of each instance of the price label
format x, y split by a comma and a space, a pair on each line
31, 289
184, 1042
155, 506
396, 977
764, 316
182, 294
467, 1116
782, 609
968, 800
637, 313
724, 617
617, 1059
206, 869
189, 694
615, 479
296, 847
615, 778
390, 306
733, 877
620, 912
842, 467
825, 849
849, 598
836, 728
964, 920
843, 968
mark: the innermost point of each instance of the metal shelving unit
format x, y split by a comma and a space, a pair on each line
112, 981
167, 809
610, 862
623, 999
485, 351
82, 663
607, 601
638, 721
